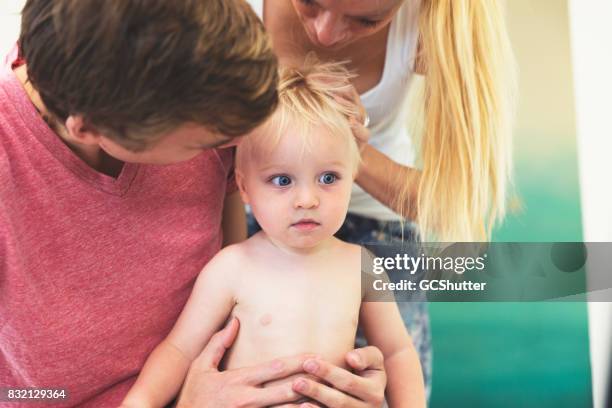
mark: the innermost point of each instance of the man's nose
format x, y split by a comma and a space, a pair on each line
306, 197
330, 28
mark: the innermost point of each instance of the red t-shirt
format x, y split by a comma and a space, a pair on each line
94, 270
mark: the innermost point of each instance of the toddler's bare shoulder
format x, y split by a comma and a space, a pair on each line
349, 251
248, 252
231, 255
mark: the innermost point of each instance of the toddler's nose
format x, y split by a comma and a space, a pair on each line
306, 197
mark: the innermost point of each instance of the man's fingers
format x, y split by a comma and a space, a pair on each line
273, 395
214, 351
366, 358
276, 369
342, 379
329, 397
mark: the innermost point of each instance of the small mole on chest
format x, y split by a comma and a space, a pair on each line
266, 319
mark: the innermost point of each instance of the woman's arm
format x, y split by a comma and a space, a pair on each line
385, 180
379, 175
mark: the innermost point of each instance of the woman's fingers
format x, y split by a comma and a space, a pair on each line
361, 133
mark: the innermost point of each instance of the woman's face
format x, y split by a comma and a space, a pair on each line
336, 23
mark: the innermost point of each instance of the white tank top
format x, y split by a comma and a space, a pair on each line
386, 104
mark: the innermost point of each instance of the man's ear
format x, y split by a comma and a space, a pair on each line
240, 182
80, 132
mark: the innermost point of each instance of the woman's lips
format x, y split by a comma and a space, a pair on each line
305, 225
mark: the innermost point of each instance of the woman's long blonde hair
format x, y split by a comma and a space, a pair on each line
468, 112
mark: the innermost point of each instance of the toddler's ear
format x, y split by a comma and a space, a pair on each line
240, 182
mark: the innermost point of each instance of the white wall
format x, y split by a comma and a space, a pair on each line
9, 24
591, 33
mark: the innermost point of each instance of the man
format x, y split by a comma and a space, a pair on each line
99, 244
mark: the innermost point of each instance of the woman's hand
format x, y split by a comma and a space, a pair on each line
360, 132
206, 386
363, 389
360, 121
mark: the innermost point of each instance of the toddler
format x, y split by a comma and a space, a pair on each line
293, 280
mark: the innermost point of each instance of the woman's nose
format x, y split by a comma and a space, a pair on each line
330, 28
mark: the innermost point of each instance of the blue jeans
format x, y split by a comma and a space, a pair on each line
362, 230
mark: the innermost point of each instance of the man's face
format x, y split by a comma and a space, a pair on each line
182, 144
300, 196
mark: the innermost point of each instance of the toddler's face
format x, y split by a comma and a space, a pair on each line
300, 196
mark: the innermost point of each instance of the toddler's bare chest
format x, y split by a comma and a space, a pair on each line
284, 314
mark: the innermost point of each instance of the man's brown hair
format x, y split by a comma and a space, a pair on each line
135, 69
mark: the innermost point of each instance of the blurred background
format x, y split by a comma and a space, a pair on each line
512, 354
526, 354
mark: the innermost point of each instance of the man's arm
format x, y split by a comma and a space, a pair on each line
234, 220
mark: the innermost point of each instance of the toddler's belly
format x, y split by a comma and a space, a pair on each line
263, 339
255, 348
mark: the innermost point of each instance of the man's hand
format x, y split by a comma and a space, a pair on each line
206, 386
364, 389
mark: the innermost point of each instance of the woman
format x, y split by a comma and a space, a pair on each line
462, 49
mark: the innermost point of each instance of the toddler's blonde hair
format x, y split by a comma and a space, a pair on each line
318, 94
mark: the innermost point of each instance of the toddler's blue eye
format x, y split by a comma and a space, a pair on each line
281, 181
328, 178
